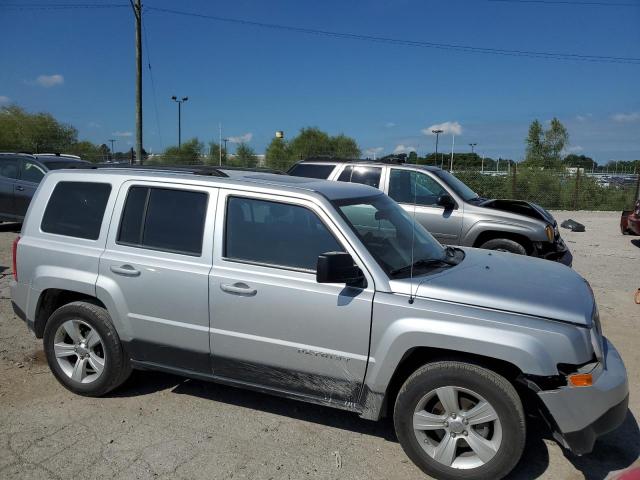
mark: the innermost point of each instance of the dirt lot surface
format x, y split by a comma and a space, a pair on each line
161, 426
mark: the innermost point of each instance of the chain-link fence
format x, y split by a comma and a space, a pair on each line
557, 190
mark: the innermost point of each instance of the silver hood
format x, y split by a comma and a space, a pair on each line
509, 282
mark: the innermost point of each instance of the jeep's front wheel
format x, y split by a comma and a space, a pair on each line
460, 421
504, 245
84, 351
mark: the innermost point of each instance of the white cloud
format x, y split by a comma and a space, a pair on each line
241, 138
447, 128
389, 124
574, 149
404, 149
626, 117
4, 99
584, 118
48, 81
122, 134
373, 151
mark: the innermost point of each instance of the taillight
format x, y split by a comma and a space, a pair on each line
14, 263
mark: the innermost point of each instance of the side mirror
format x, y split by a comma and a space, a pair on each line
338, 267
446, 201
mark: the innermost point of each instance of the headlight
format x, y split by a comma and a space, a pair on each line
549, 231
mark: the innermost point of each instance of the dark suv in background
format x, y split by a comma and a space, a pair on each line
20, 175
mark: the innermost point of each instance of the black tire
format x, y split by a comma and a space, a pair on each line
505, 245
117, 367
494, 388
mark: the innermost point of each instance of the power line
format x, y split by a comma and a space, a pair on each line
411, 43
565, 2
60, 6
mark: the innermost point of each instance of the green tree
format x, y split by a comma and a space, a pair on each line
189, 153
413, 157
310, 142
556, 139
245, 156
579, 161
213, 158
34, 132
344, 147
278, 155
535, 152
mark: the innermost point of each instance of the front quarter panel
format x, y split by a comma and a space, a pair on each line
534, 345
479, 219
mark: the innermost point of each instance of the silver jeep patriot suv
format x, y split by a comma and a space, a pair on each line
320, 291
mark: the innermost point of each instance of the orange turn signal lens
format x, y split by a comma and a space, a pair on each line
581, 380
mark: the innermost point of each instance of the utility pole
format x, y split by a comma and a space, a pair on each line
437, 132
472, 145
179, 102
220, 145
453, 144
112, 140
137, 10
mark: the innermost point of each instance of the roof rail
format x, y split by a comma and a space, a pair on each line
327, 158
192, 169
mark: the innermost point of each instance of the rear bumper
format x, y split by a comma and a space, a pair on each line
582, 414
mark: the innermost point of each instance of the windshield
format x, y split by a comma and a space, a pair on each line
457, 185
386, 230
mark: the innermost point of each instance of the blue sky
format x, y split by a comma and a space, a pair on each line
78, 64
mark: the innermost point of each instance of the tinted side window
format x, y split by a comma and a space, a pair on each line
275, 233
311, 171
164, 219
31, 172
9, 167
365, 175
76, 209
407, 186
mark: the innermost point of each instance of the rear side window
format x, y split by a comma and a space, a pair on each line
76, 209
9, 167
365, 175
311, 170
164, 219
275, 233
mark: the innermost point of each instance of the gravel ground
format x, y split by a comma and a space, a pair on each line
161, 426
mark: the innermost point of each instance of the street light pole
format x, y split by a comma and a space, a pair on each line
437, 131
225, 147
179, 102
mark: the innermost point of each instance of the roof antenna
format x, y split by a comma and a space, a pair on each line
413, 235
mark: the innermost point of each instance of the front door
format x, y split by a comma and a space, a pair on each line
156, 265
419, 191
272, 324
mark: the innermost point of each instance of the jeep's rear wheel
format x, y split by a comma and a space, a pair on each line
505, 245
83, 349
460, 421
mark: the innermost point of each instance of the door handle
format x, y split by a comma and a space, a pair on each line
238, 288
126, 270
20, 188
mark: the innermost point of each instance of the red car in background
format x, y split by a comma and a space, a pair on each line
630, 221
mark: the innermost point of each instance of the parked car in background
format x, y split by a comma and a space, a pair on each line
452, 212
319, 291
630, 220
20, 175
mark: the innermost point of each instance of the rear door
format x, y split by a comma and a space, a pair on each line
418, 192
364, 174
9, 173
272, 324
156, 266
31, 174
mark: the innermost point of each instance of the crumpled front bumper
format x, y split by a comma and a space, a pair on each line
556, 251
582, 414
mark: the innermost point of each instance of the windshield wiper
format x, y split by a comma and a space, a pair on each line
430, 262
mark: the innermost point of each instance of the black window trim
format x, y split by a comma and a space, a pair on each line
144, 216
263, 264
